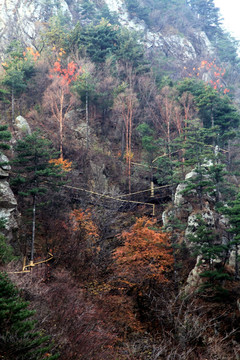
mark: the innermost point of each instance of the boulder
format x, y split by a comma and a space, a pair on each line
7, 198
4, 166
22, 127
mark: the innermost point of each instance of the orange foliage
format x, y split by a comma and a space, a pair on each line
82, 221
145, 254
65, 165
30, 51
215, 72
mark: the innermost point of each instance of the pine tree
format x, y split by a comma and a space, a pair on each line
18, 338
214, 109
19, 68
198, 154
5, 136
233, 213
35, 173
212, 255
208, 15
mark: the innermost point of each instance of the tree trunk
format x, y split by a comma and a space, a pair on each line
236, 263
13, 107
87, 119
123, 145
33, 227
61, 125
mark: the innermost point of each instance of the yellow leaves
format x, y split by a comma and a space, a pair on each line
4, 64
61, 52
129, 155
97, 288
65, 165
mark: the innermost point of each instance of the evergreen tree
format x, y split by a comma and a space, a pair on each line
212, 255
233, 213
35, 174
149, 144
214, 109
198, 154
98, 41
88, 9
208, 15
135, 9
56, 35
18, 338
19, 68
227, 48
5, 136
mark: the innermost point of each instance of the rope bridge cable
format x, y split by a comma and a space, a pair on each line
111, 197
174, 152
31, 265
142, 191
27, 268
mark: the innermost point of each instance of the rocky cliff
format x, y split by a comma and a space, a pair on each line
8, 203
24, 19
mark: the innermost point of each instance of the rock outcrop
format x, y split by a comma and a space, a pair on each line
8, 203
24, 19
186, 209
173, 45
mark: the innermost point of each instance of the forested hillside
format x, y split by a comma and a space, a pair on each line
119, 173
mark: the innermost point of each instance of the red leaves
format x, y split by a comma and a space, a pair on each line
215, 73
145, 254
67, 75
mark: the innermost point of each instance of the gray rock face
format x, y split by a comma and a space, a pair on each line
7, 198
8, 203
179, 199
208, 217
22, 19
175, 45
4, 166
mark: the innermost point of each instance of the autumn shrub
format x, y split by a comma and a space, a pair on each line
142, 266
145, 255
80, 248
